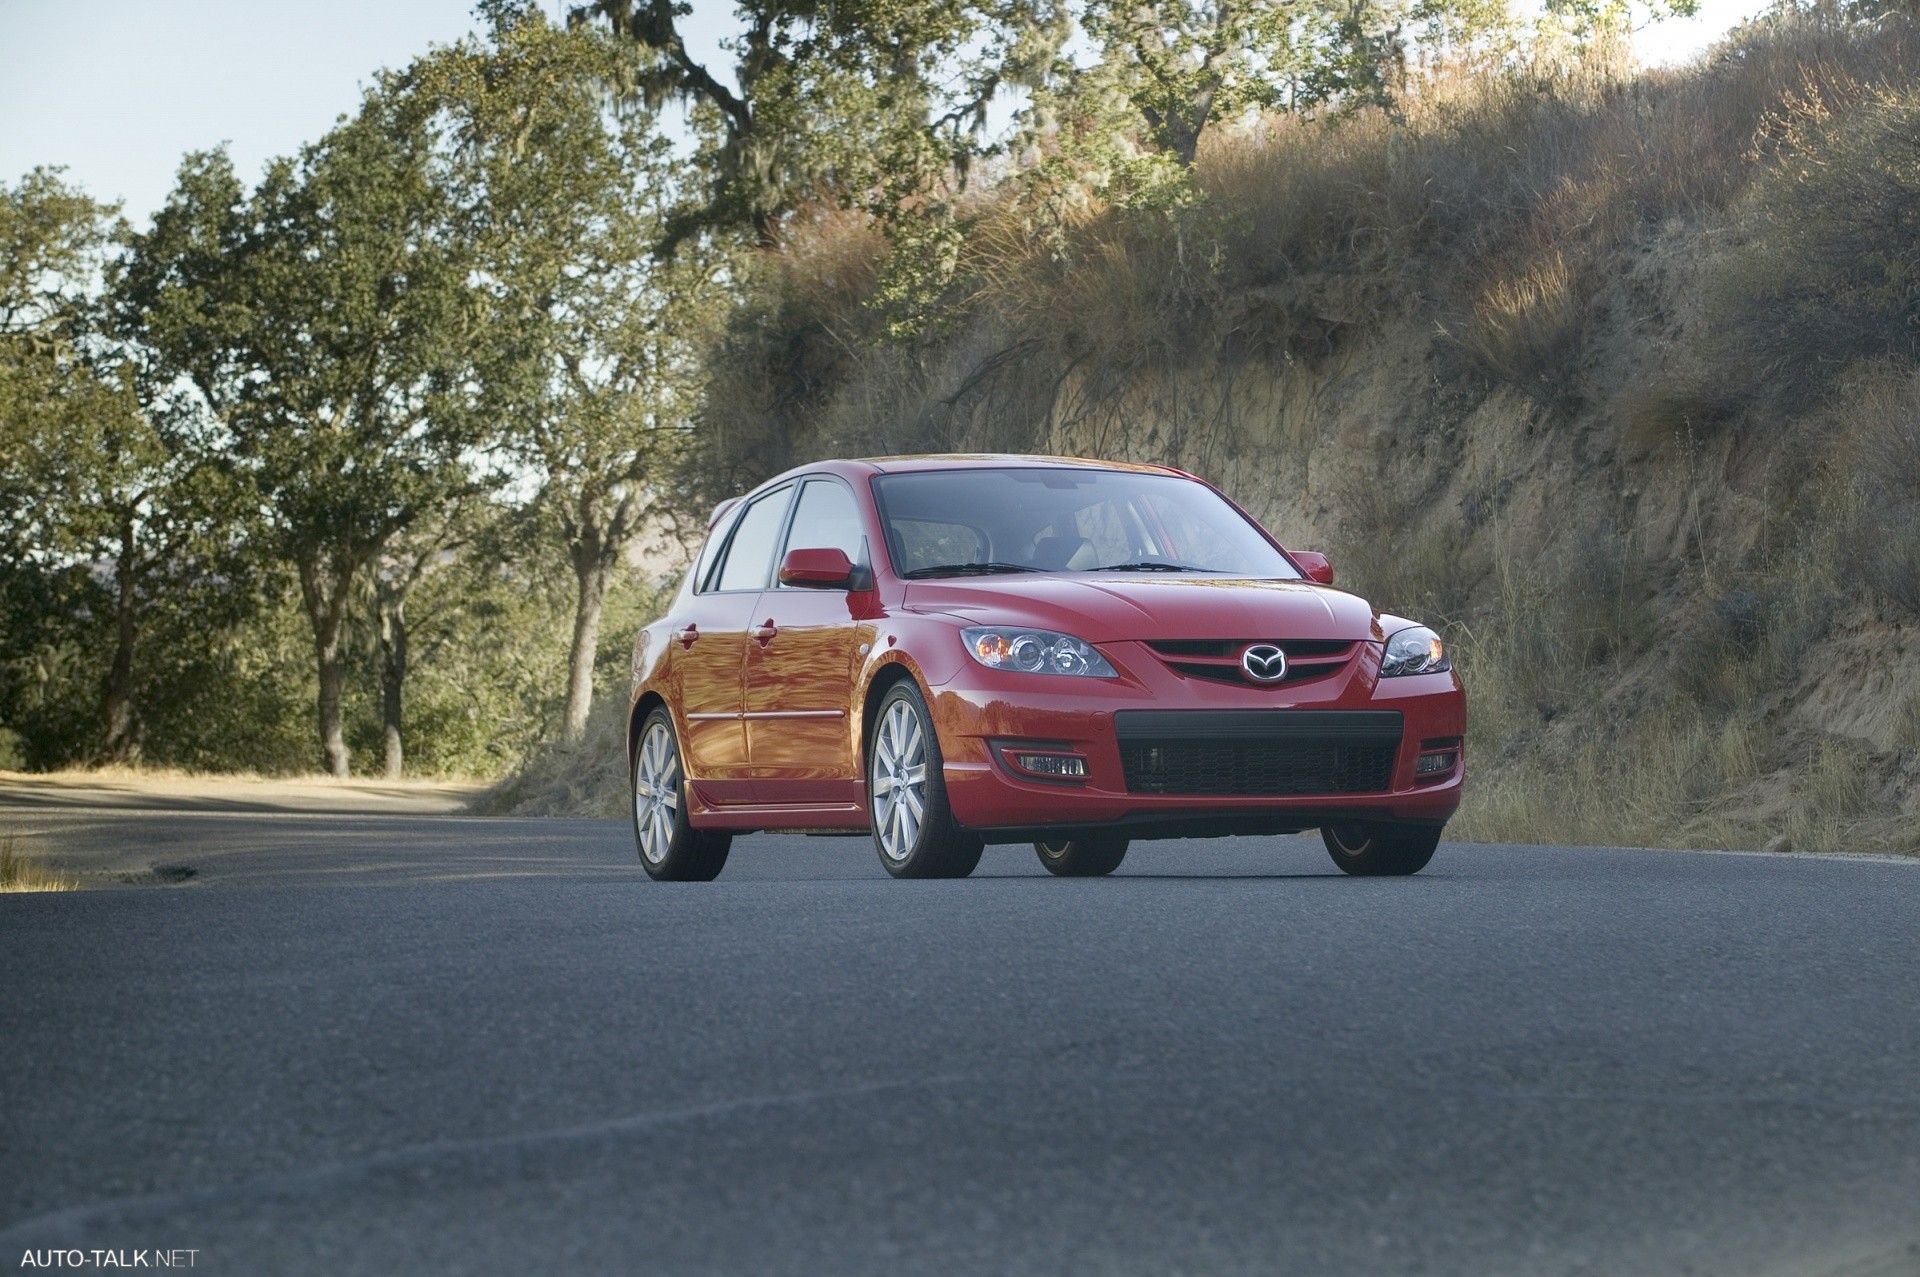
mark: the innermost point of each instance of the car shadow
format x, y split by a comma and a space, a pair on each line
1123, 875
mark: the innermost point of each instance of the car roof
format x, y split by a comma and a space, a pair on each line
850, 467
1001, 461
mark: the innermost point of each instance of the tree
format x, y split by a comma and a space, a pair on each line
52, 239
327, 322
405, 639
590, 354
1186, 63
865, 101
100, 467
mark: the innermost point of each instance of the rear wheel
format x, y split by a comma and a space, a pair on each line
671, 849
913, 827
1082, 857
1379, 851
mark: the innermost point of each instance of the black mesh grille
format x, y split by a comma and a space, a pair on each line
1247, 767
1276, 753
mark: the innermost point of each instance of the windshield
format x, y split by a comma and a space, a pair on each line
976, 522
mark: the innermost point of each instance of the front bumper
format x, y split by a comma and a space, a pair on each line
982, 715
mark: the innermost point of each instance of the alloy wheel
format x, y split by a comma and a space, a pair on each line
656, 792
899, 781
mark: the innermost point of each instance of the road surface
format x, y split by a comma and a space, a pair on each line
385, 1044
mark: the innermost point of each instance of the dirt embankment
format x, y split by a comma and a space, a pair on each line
1617, 381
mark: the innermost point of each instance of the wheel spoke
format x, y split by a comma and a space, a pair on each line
883, 823
656, 793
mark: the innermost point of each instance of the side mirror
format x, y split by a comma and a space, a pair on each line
1314, 564
822, 569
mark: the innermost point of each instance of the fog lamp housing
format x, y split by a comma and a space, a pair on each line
1058, 764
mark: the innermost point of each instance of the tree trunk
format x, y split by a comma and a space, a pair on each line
122, 715
592, 563
391, 601
324, 587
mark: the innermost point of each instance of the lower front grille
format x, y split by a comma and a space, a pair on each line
1252, 753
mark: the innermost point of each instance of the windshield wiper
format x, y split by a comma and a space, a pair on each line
1150, 565
967, 569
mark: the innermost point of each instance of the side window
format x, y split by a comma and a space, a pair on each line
749, 561
826, 519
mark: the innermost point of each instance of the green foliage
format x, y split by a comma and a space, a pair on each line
52, 240
326, 323
871, 102
1590, 19
589, 356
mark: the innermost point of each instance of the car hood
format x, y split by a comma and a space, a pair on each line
1108, 607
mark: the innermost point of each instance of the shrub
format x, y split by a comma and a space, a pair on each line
1882, 413
1831, 277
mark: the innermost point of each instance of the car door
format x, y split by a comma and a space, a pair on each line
801, 663
709, 633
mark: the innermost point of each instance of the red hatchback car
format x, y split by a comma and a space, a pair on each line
952, 651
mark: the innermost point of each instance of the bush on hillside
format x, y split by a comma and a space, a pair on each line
1882, 413
1831, 277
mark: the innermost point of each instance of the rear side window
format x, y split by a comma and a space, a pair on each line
748, 561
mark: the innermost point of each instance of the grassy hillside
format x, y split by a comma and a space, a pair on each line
1613, 377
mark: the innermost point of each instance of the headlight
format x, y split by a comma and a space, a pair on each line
1415, 651
1034, 652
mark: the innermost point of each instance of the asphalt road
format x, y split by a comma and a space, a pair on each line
494, 1046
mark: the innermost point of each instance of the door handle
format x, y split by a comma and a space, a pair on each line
686, 637
764, 631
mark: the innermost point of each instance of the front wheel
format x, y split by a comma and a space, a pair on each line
671, 849
1380, 851
1082, 857
913, 827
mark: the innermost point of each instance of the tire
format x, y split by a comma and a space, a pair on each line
1381, 851
1082, 857
671, 849
913, 827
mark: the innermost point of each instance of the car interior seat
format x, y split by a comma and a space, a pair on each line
1058, 553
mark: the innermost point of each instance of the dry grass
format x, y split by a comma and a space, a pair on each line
1525, 328
1830, 797
587, 779
22, 872
1880, 415
1657, 781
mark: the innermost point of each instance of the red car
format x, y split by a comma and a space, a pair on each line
952, 651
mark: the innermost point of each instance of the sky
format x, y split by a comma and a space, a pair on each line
117, 91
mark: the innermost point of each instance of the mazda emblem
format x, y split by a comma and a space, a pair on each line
1264, 663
